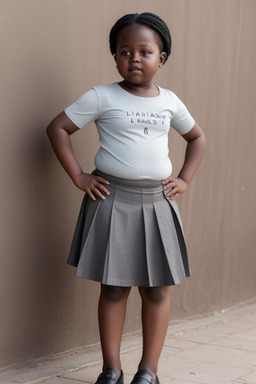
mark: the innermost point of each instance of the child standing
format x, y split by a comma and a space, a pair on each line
129, 230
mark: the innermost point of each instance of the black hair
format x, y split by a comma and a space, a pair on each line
149, 19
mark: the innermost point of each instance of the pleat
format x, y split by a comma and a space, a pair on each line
180, 236
74, 254
126, 247
159, 272
94, 240
170, 242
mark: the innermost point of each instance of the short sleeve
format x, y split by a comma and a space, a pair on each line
85, 110
182, 121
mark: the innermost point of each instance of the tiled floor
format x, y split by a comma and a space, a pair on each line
219, 349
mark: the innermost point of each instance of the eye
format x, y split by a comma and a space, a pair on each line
125, 53
144, 53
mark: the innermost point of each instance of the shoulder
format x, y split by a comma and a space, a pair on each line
93, 96
109, 95
174, 101
98, 90
169, 94
106, 89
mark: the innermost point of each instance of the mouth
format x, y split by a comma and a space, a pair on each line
135, 69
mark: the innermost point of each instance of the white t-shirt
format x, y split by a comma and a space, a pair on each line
133, 130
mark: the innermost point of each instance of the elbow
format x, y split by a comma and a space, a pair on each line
50, 130
203, 138
54, 126
61, 124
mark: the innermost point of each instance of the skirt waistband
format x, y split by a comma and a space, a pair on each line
148, 186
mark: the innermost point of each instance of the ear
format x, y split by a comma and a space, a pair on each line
162, 58
114, 57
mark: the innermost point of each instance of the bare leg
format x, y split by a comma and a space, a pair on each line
111, 317
155, 320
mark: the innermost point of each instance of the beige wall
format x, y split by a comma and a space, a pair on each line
51, 52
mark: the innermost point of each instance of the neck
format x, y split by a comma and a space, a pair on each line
144, 90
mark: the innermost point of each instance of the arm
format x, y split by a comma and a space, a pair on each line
194, 153
59, 131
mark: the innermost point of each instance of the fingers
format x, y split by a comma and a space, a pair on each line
171, 192
94, 186
98, 189
167, 181
102, 180
173, 187
99, 192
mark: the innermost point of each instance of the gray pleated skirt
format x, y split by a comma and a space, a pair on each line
132, 238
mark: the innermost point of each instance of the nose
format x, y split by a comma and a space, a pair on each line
135, 57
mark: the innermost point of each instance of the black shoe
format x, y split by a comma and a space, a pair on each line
109, 376
143, 376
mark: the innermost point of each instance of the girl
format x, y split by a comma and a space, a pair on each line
129, 231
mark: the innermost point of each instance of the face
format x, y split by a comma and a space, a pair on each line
138, 54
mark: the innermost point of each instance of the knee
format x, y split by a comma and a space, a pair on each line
155, 295
113, 293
